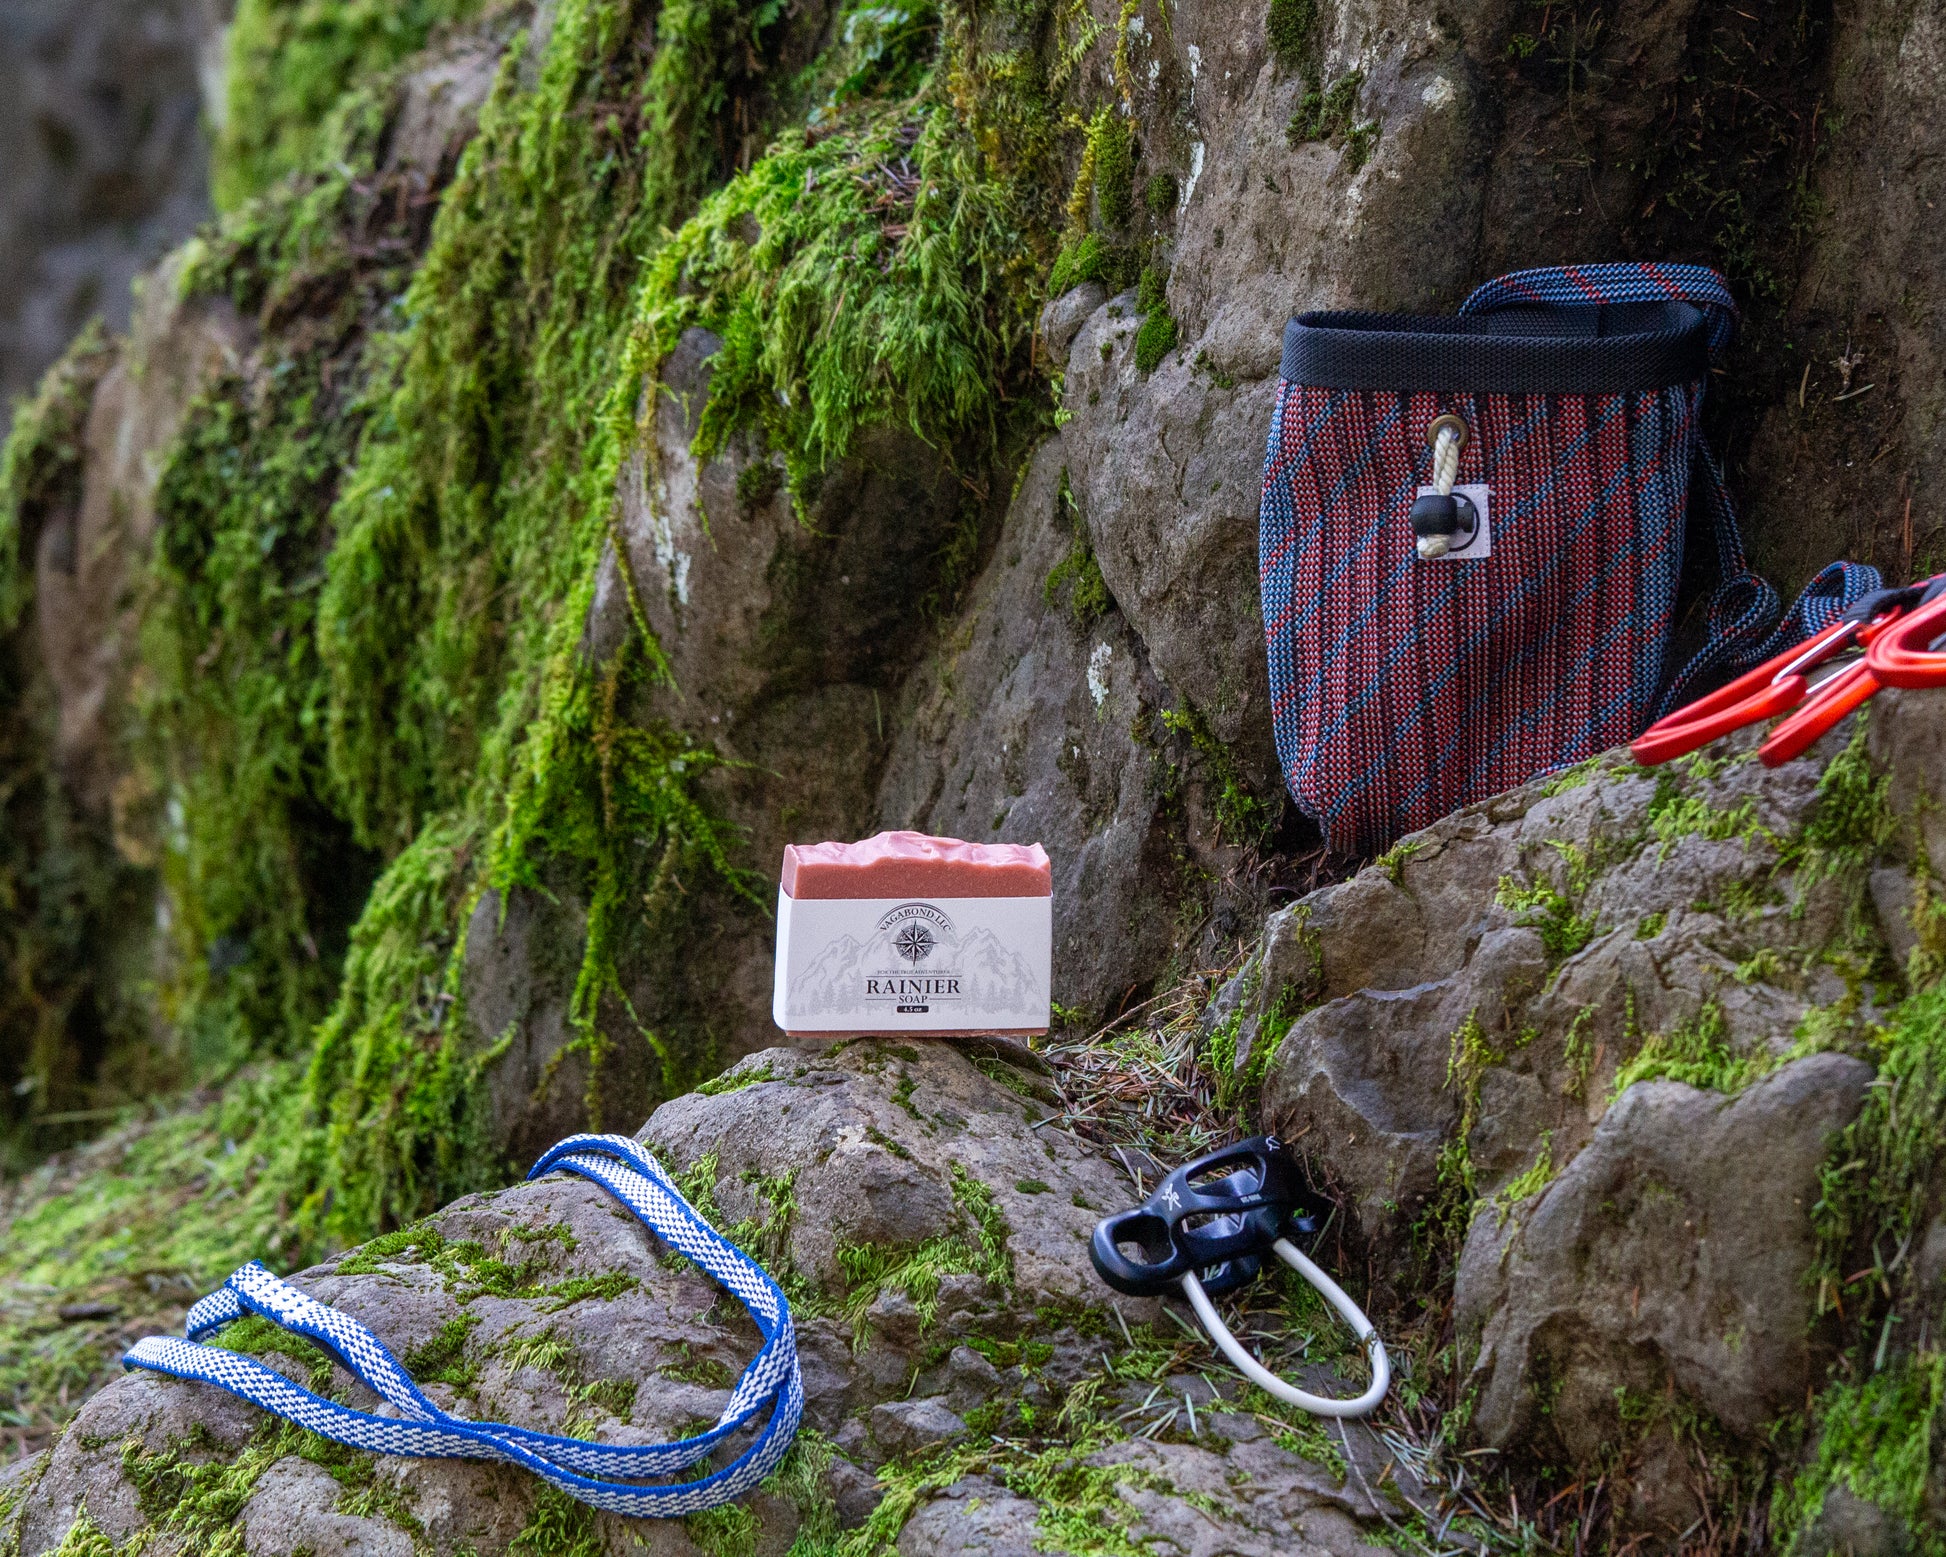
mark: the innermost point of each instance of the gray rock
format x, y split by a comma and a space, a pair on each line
295, 1509
1907, 738
1893, 898
1671, 1250
101, 110
1172, 515
1023, 729
1851, 1526
854, 1492
876, 1135
1386, 971
908, 1427
1064, 316
973, 1518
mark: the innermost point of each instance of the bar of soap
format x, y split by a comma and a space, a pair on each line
905, 933
915, 865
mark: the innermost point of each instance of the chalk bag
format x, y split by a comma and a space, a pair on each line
1473, 532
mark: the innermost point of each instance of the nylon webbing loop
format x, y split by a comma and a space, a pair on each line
584, 1470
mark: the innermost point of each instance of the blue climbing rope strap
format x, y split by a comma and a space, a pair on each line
772, 1382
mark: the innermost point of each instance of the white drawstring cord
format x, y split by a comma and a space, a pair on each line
1262, 1377
1445, 472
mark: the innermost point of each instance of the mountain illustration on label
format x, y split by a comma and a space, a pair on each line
917, 959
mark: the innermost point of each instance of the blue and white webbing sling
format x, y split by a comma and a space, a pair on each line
584, 1470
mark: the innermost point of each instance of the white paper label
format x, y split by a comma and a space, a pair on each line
912, 965
1481, 545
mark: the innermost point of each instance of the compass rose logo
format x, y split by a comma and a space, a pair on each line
914, 943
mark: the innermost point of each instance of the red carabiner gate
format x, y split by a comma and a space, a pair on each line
1905, 654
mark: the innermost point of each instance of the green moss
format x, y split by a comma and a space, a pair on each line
728, 1531
757, 484
1442, 1223
735, 1080
1544, 907
1852, 821
869, 294
978, 1247
183, 1200
1086, 259
1578, 1053
1104, 188
559, 1526
1530, 1183
1154, 341
443, 1359
1161, 193
84, 1538
1291, 26
1330, 114
62, 885
1078, 572
1875, 1185
195, 1489
1395, 859
1875, 1439
1237, 1088
1242, 817
40, 464
1698, 1053
1675, 813
256, 1336
291, 63
262, 876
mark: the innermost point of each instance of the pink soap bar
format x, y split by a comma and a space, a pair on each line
914, 865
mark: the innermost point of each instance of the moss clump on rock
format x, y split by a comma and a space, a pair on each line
291, 69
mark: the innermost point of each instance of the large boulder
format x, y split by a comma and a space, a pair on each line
932, 1234
1587, 1047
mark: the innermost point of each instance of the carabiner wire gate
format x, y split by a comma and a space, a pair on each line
1206, 1229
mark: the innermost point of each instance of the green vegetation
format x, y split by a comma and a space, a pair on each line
292, 66
60, 883
265, 878
1874, 1188
142, 1223
1874, 1440
1697, 1052
735, 1080
1530, 1183
1551, 909
1291, 26
1330, 114
1078, 572
980, 1248
1242, 816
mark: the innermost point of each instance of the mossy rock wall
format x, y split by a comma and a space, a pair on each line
599, 442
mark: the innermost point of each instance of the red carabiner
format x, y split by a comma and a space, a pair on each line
1774, 687
1903, 655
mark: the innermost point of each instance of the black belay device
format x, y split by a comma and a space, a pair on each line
1206, 1229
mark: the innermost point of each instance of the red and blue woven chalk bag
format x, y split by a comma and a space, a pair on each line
1474, 530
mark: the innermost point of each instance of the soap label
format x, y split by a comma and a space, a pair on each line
912, 965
